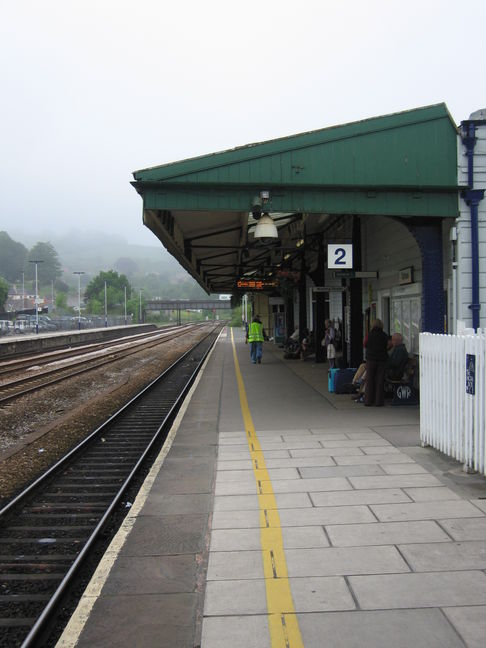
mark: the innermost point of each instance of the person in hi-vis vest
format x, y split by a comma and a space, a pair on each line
255, 337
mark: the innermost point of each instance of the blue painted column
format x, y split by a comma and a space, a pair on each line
428, 234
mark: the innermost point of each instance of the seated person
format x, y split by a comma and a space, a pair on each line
359, 380
307, 344
397, 359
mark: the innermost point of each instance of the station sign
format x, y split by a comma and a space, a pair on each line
470, 374
340, 256
328, 289
355, 274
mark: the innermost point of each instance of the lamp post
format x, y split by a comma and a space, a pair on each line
36, 261
23, 290
106, 308
79, 273
140, 310
125, 305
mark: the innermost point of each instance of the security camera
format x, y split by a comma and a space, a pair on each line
256, 208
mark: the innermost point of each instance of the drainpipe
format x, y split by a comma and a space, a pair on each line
472, 198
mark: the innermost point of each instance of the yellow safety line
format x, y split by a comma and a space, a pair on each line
282, 620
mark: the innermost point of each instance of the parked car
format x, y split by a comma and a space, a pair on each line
47, 323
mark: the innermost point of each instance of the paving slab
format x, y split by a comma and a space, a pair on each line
325, 434
295, 537
250, 539
437, 589
307, 485
245, 632
300, 462
383, 629
247, 477
437, 510
359, 443
470, 623
431, 494
325, 452
235, 540
466, 528
361, 459
356, 497
235, 597
394, 481
243, 519
248, 502
236, 464
321, 594
311, 442
248, 487
391, 533
480, 503
325, 515
341, 471
445, 557
236, 502
233, 565
344, 561
402, 468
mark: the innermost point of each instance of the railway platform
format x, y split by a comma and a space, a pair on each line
278, 515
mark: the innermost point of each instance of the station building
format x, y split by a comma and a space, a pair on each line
383, 217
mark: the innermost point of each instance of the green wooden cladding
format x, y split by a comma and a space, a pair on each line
403, 164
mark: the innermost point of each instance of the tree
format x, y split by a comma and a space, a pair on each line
50, 268
3, 293
94, 293
61, 301
12, 258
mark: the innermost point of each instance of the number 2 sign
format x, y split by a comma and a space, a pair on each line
340, 256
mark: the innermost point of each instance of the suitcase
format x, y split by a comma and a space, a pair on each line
331, 378
343, 377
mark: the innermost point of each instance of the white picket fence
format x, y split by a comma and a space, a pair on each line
452, 419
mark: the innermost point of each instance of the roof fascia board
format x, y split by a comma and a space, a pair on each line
318, 200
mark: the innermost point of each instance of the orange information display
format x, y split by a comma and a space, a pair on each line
255, 284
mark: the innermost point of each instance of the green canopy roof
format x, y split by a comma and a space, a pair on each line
384, 165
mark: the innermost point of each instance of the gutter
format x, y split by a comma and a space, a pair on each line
472, 197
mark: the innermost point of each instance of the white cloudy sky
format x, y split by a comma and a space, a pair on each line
95, 89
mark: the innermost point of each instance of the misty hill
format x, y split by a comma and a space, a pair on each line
149, 267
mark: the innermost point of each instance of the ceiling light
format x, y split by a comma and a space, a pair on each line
300, 243
266, 228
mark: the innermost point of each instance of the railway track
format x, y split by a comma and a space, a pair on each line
49, 529
44, 370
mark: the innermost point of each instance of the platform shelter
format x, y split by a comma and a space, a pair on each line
382, 191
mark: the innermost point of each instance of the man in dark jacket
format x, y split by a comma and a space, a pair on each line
376, 359
398, 358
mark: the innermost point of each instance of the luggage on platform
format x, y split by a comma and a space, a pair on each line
343, 379
331, 377
337, 378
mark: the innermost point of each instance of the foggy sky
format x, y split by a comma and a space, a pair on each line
95, 89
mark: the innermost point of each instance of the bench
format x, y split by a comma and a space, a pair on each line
405, 390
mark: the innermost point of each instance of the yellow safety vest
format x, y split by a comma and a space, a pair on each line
255, 332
